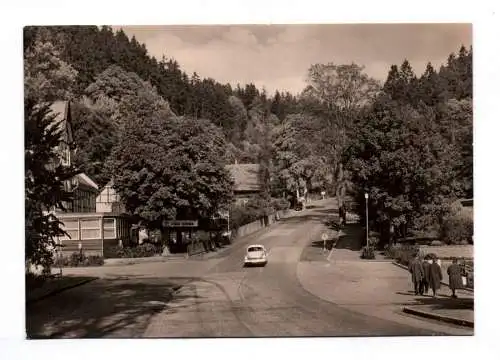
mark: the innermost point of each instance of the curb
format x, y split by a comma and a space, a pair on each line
60, 290
442, 318
442, 283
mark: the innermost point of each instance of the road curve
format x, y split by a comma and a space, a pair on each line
269, 301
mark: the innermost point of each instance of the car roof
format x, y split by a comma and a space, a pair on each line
256, 245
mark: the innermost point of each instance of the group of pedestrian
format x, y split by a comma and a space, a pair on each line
427, 274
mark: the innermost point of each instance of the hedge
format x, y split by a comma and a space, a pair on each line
78, 260
254, 210
402, 254
457, 229
139, 251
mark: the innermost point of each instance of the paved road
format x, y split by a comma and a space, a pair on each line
218, 297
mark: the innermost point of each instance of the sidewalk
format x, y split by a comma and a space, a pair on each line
382, 290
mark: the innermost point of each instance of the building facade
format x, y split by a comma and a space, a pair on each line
246, 181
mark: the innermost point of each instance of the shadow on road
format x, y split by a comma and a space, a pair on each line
296, 219
103, 308
446, 303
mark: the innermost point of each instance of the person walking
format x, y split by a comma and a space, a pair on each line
417, 274
427, 275
435, 277
455, 277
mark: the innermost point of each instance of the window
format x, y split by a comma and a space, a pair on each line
90, 229
109, 226
255, 248
71, 227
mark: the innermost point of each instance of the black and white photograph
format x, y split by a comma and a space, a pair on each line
241, 181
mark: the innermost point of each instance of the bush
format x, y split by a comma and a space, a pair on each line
402, 254
76, 260
95, 260
368, 252
117, 252
457, 229
143, 250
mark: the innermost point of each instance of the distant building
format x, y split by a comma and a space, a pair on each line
246, 181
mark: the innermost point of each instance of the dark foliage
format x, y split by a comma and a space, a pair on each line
139, 251
368, 252
77, 259
45, 178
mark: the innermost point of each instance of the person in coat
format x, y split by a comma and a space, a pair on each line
417, 274
455, 277
435, 277
427, 275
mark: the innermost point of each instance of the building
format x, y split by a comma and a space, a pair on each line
109, 200
246, 181
93, 233
83, 188
94, 220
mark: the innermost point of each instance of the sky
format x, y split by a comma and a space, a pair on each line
277, 57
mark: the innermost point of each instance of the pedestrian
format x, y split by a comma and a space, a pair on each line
455, 277
417, 274
435, 277
427, 275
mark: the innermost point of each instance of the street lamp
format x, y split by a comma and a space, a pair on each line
366, 202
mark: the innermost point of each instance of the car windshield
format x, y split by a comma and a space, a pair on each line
255, 248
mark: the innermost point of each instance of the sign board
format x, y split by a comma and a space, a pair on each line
182, 223
324, 237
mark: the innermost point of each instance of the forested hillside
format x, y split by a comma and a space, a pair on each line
407, 142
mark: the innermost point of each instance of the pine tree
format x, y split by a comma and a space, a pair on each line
45, 179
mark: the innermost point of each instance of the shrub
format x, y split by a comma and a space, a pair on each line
456, 229
76, 259
95, 260
143, 250
117, 252
368, 252
402, 253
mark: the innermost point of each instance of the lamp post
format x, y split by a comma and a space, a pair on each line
366, 202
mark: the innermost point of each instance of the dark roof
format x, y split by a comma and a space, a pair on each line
245, 176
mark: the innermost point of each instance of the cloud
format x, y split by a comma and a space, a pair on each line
278, 57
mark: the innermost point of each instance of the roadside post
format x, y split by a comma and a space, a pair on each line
324, 237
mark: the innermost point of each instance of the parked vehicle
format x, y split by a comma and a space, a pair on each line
256, 255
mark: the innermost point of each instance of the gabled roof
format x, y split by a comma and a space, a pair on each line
85, 180
245, 176
61, 110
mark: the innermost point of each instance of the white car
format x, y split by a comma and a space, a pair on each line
256, 255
